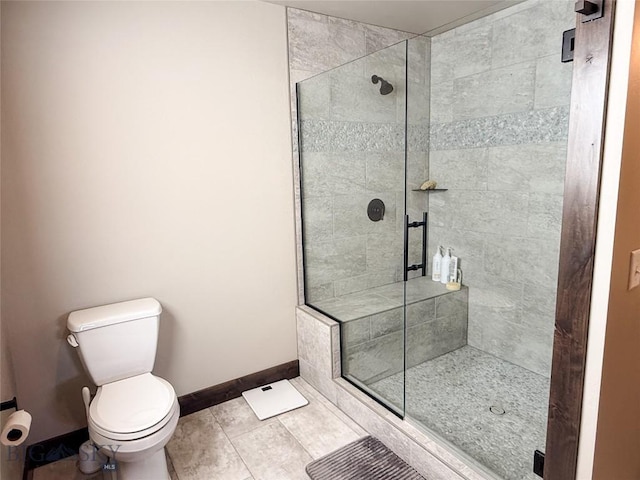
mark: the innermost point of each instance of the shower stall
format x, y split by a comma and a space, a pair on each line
482, 110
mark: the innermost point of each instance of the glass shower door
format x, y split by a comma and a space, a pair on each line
482, 109
352, 130
499, 114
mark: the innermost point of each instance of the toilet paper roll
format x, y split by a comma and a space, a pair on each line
16, 429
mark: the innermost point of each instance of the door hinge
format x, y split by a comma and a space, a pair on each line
568, 45
538, 463
590, 9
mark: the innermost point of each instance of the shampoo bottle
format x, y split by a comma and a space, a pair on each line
453, 269
444, 267
436, 266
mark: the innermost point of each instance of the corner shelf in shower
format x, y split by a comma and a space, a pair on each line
430, 190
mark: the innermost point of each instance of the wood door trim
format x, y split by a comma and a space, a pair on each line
592, 57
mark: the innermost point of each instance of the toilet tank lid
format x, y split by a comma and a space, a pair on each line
104, 315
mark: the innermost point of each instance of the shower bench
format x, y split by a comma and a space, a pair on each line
372, 326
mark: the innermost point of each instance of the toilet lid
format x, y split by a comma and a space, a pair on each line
132, 404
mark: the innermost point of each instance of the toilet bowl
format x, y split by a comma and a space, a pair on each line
133, 413
131, 421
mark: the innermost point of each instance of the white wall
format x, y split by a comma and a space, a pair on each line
7, 383
145, 151
8, 469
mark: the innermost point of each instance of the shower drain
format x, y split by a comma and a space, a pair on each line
496, 410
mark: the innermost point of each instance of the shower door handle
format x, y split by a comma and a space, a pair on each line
416, 266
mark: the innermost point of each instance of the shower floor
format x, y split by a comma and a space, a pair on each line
451, 396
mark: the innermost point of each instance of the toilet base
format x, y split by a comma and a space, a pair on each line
150, 468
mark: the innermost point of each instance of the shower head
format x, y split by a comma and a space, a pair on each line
385, 88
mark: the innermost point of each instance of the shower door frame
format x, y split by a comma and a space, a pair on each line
589, 88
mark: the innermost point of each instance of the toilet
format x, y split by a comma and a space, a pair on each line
133, 413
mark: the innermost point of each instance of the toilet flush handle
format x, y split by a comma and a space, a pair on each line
86, 399
72, 341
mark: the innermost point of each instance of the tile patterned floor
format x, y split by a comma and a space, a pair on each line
451, 396
228, 442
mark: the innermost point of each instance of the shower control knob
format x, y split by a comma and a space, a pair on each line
375, 210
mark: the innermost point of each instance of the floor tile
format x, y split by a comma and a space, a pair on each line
172, 471
228, 442
272, 453
199, 450
64, 469
236, 417
317, 429
314, 396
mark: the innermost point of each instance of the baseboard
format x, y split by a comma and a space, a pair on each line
210, 396
63, 446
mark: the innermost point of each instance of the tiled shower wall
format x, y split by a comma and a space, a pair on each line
353, 149
499, 122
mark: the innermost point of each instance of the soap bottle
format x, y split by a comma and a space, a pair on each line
436, 266
444, 267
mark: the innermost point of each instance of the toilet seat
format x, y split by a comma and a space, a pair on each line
132, 408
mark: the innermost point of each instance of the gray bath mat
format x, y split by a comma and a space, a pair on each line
364, 459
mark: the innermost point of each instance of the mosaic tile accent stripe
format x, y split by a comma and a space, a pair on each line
536, 126
417, 138
331, 136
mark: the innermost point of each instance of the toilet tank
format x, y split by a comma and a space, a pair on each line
116, 341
